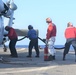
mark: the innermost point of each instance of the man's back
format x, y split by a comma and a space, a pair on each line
12, 34
32, 34
70, 32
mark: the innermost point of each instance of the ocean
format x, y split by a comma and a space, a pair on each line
43, 46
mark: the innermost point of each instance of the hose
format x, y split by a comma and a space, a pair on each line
22, 38
43, 40
59, 48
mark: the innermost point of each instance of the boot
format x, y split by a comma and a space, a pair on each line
28, 56
53, 57
37, 56
50, 58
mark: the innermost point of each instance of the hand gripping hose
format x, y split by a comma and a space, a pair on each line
44, 40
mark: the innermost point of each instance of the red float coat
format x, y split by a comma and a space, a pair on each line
70, 32
51, 31
12, 34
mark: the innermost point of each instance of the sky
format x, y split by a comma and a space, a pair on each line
35, 12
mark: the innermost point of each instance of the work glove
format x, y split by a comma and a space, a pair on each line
44, 40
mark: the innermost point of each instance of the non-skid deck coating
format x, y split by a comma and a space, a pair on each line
36, 66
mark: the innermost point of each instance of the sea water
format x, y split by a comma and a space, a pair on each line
43, 46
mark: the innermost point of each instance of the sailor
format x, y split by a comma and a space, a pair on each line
50, 38
13, 39
70, 35
32, 35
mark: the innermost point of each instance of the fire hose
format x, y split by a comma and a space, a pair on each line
44, 40
22, 38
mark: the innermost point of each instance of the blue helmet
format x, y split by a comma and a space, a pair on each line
30, 27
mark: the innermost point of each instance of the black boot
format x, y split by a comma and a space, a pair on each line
29, 56
37, 56
50, 58
53, 57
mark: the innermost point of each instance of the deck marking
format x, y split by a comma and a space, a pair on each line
30, 70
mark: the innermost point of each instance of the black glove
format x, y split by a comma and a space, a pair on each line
44, 40
4, 39
5, 35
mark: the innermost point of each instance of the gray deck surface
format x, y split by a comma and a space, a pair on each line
36, 66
